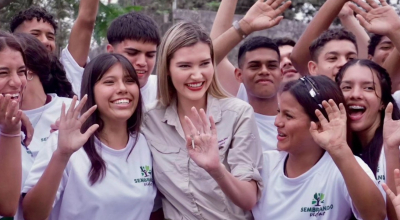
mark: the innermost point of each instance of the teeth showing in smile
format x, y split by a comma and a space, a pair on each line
356, 107
13, 96
121, 101
281, 135
195, 85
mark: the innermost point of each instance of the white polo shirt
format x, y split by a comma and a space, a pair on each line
126, 191
320, 193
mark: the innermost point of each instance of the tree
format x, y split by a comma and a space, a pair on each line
318, 198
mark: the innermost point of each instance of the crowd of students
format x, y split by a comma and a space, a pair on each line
306, 130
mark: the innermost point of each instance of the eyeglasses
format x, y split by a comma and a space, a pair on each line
312, 90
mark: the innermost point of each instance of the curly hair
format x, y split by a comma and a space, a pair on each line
33, 12
45, 65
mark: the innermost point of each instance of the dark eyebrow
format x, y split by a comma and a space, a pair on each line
206, 60
4, 68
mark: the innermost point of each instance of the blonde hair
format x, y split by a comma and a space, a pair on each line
183, 34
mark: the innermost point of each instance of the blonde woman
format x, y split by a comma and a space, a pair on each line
195, 183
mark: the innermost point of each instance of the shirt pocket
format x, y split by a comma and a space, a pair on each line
166, 158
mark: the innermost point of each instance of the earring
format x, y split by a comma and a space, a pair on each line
29, 79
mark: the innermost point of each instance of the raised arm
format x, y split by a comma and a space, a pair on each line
225, 69
81, 33
10, 156
321, 22
202, 146
349, 21
391, 143
382, 20
331, 136
38, 202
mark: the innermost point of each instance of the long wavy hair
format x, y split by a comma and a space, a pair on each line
94, 71
372, 151
46, 66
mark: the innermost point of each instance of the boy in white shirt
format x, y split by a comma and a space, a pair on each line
41, 24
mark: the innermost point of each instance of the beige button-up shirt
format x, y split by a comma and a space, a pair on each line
190, 192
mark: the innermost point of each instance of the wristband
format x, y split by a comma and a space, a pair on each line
237, 27
10, 135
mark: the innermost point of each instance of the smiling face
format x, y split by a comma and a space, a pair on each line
332, 57
141, 55
288, 71
12, 74
260, 73
42, 30
191, 71
116, 95
382, 50
293, 124
362, 92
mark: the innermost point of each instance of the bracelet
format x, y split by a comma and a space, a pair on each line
10, 135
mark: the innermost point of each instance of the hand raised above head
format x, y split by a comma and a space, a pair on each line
377, 19
70, 138
330, 135
201, 141
263, 15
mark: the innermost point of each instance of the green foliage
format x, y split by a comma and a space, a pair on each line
213, 6
106, 14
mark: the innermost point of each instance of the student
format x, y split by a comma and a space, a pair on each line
41, 24
379, 48
383, 20
194, 184
106, 171
330, 51
136, 37
46, 89
334, 52
366, 87
315, 174
260, 77
286, 46
12, 84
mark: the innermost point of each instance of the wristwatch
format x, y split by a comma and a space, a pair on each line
237, 27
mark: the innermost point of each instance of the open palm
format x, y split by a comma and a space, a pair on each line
70, 138
263, 15
376, 19
10, 116
332, 133
391, 128
393, 197
203, 150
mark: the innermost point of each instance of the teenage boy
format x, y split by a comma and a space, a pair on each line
136, 36
41, 24
257, 78
288, 71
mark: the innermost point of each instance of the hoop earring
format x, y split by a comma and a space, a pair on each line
29, 79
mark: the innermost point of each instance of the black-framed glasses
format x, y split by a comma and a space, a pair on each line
312, 89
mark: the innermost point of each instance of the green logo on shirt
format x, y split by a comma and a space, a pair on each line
146, 171
318, 209
318, 198
147, 178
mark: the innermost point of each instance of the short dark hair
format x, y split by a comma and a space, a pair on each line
327, 36
45, 65
325, 88
133, 26
33, 12
93, 72
373, 43
255, 43
283, 41
370, 153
